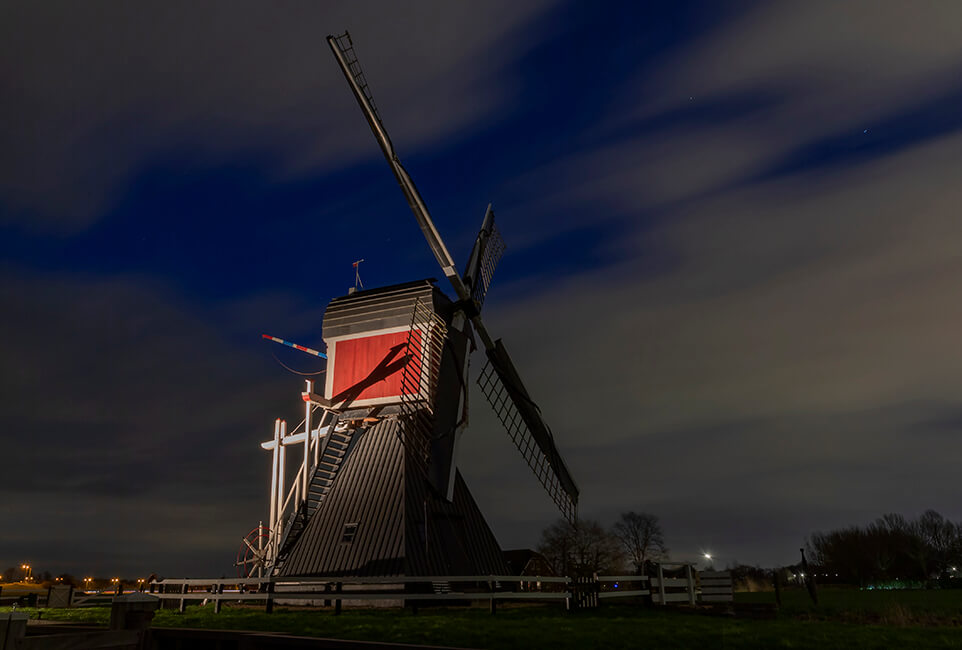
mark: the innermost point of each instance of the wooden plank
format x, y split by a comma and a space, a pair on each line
715, 574
670, 582
716, 590
377, 595
672, 598
323, 580
622, 578
624, 593
715, 581
717, 599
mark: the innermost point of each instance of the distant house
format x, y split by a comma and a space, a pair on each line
525, 562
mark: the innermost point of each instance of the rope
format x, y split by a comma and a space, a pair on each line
297, 372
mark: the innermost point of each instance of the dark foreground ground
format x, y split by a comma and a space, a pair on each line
843, 619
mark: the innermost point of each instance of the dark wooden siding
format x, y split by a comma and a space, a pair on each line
387, 496
369, 492
459, 541
379, 309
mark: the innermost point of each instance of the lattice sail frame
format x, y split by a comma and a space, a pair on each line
419, 381
493, 250
346, 46
503, 405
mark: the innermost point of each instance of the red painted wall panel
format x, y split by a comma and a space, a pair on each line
371, 367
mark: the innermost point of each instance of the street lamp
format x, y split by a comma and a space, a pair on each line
27, 572
87, 582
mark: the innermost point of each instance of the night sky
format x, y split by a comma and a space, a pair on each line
733, 279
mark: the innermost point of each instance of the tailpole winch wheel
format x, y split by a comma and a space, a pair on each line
253, 552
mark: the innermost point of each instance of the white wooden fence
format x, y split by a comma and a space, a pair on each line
691, 588
674, 590
716, 586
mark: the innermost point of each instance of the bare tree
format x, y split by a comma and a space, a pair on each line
891, 548
580, 549
938, 536
642, 538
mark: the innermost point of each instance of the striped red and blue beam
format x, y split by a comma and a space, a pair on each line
294, 345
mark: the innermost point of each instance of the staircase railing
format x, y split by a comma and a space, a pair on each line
289, 502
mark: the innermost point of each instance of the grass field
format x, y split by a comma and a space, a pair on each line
909, 607
844, 619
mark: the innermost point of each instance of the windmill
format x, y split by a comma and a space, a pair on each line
382, 495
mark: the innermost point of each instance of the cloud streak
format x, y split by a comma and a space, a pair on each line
736, 307
801, 325
94, 92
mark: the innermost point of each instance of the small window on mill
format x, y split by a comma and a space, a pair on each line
350, 530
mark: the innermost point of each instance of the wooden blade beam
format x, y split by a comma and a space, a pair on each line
343, 50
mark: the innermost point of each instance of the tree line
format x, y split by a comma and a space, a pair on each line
891, 548
15, 574
586, 547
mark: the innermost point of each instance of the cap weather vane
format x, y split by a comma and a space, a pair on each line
357, 275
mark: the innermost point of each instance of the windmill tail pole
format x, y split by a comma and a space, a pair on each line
290, 344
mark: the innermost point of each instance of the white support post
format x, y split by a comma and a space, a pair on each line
317, 443
281, 474
307, 437
272, 522
691, 585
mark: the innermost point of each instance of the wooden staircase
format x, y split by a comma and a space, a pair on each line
336, 448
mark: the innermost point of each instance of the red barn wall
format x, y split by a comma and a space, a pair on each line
357, 359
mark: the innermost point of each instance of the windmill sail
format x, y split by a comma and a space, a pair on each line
504, 388
344, 53
487, 252
521, 417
